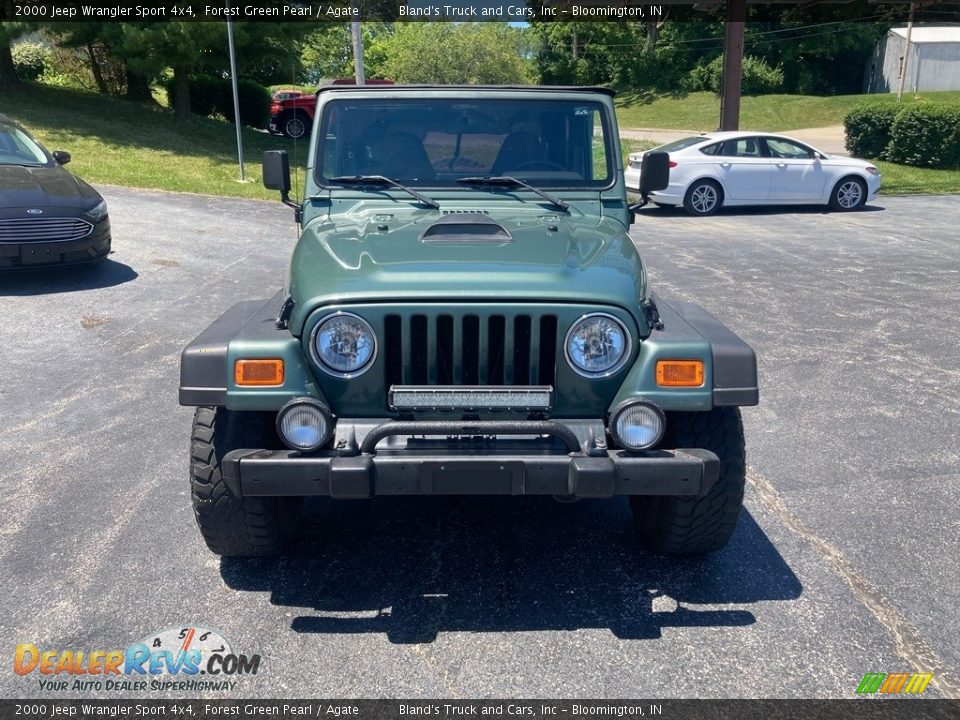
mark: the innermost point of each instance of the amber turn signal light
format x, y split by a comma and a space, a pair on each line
258, 372
679, 373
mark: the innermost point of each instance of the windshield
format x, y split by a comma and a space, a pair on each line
436, 142
681, 144
17, 148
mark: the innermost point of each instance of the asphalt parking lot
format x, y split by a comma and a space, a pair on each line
843, 562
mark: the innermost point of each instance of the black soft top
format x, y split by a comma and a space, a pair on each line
525, 88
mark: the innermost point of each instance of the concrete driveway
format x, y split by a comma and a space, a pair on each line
843, 562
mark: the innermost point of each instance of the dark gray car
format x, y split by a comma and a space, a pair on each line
47, 216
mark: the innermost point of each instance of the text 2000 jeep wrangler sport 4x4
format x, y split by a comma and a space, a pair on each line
465, 314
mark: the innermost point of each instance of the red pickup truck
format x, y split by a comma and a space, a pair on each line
293, 117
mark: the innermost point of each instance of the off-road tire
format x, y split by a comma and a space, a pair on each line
698, 207
840, 197
681, 525
288, 124
234, 526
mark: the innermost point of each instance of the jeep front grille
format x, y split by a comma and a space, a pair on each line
450, 349
20, 230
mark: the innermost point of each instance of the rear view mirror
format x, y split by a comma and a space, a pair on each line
61, 156
276, 172
654, 172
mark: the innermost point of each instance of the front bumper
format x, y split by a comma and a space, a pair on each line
470, 465
27, 255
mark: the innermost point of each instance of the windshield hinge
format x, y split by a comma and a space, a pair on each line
652, 315
285, 311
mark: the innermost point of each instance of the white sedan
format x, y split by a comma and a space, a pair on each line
749, 168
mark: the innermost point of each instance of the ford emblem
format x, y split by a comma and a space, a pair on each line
34, 211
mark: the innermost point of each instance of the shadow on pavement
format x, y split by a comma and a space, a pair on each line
67, 278
414, 567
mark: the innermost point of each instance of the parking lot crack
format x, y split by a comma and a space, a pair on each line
907, 638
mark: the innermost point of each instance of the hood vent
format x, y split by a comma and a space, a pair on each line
466, 228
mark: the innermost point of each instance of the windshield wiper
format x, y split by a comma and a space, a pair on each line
507, 180
382, 180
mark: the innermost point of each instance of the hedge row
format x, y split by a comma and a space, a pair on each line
923, 134
214, 96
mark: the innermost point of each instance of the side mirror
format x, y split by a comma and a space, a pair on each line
276, 176
654, 175
276, 172
654, 172
61, 156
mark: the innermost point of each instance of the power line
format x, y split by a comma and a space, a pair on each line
719, 40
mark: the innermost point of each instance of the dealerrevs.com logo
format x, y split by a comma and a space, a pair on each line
190, 658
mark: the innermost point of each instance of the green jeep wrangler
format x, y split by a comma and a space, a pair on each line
465, 313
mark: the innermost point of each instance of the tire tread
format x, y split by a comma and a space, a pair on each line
234, 526
680, 525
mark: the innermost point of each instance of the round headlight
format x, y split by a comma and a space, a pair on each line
304, 424
638, 425
344, 345
597, 345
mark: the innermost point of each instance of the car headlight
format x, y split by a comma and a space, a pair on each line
597, 345
98, 212
344, 344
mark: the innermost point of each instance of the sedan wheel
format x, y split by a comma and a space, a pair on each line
703, 198
849, 194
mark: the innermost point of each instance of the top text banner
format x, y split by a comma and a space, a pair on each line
45, 11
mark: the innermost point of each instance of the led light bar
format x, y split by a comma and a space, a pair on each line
471, 397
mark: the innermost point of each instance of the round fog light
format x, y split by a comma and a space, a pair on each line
304, 424
638, 425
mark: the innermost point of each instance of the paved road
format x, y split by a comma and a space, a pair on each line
844, 560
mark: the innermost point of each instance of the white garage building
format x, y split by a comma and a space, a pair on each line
933, 60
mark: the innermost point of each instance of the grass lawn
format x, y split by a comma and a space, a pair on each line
906, 180
701, 110
122, 143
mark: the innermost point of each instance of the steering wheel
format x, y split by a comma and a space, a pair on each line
538, 165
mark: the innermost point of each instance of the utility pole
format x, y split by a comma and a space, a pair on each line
732, 65
236, 95
357, 53
906, 55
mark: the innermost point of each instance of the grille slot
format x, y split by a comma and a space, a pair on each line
453, 349
18, 230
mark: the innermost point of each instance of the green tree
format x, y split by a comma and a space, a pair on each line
149, 48
452, 53
327, 52
93, 44
10, 31
820, 60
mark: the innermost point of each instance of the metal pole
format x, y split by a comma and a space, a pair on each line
357, 53
906, 55
732, 65
236, 96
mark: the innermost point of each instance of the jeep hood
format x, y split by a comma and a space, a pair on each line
459, 258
